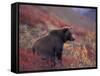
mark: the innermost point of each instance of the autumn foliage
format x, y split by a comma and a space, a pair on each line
36, 22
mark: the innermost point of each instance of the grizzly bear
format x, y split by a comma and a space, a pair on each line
51, 46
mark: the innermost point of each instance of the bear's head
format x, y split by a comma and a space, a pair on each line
68, 36
64, 34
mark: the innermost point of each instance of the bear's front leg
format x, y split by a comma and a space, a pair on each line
59, 56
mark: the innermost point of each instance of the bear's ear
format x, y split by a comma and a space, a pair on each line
65, 29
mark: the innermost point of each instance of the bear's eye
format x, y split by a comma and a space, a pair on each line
69, 35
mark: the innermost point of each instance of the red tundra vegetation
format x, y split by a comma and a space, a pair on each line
36, 22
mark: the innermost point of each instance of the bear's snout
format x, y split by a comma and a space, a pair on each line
72, 38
